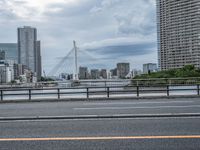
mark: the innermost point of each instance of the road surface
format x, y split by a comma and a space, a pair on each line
152, 133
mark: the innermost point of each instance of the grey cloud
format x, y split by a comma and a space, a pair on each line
124, 50
10, 10
19, 2
105, 4
70, 10
132, 16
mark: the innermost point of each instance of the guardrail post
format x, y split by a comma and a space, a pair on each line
87, 92
198, 92
1, 95
58, 93
108, 92
168, 90
138, 91
29, 94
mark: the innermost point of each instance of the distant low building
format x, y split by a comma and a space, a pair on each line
18, 70
64, 76
123, 69
6, 72
136, 72
2, 73
83, 73
95, 74
113, 72
150, 67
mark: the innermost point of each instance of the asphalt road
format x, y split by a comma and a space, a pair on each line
151, 133
72, 130
158, 106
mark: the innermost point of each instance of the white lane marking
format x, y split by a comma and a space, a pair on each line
100, 119
125, 103
153, 107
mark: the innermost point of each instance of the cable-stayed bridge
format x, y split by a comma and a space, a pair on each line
72, 60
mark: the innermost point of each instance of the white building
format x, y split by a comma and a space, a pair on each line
150, 67
9, 74
6, 73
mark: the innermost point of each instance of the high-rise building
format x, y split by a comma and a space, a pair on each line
178, 26
150, 67
10, 51
29, 49
123, 70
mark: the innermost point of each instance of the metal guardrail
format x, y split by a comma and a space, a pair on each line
89, 92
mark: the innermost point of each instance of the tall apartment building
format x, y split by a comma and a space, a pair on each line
178, 26
29, 50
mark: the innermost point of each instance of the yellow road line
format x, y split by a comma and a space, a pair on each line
101, 138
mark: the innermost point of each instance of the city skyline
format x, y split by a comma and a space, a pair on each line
128, 35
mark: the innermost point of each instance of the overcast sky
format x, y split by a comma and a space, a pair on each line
106, 31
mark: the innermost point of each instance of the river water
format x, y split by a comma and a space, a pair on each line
98, 93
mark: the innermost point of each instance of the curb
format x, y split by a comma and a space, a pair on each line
97, 99
99, 117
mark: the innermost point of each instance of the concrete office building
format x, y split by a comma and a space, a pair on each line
178, 27
123, 69
83, 73
150, 67
29, 50
10, 51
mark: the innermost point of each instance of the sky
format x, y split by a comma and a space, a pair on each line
106, 31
